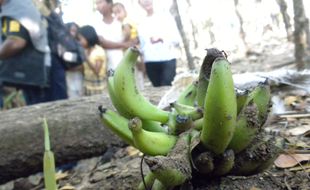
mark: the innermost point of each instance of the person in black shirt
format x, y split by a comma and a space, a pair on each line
19, 36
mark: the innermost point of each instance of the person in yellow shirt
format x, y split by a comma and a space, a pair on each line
129, 27
130, 34
95, 65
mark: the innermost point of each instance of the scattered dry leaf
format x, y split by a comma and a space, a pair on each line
290, 160
290, 100
298, 168
61, 175
298, 130
67, 187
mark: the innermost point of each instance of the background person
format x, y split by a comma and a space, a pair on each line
74, 76
23, 32
158, 37
110, 29
130, 34
95, 65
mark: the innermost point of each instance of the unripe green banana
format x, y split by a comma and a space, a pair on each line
188, 96
150, 143
117, 123
220, 108
262, 98
224, 163
203, 163
246, 128
149, 181
128, 93
153, 126
114, 99
158, 185
204, 75
198, 124
242, 99
121, 109
48, 161
193, 112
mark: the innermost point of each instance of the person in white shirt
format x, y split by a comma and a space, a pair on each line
110, 29
158, 37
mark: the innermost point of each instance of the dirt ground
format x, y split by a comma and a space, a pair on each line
120, 168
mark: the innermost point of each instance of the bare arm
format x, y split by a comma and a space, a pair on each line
106, 44
11, 46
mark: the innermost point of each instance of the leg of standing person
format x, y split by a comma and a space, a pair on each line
58, 87
35, 95
1, 96
168, 72
153, 72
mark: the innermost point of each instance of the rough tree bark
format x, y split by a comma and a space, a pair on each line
176, 14
241, 30
75, 130
300, 33
286, 19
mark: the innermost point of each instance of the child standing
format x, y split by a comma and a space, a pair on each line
95, 65
130, 34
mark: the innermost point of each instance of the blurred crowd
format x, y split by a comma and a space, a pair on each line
40, 64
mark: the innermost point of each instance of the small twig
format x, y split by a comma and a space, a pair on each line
286, 184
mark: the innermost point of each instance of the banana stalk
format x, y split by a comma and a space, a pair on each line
220, 108
48, 161
128, 93
150, 143
175, 168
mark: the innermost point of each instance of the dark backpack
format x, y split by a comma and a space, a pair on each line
63, 44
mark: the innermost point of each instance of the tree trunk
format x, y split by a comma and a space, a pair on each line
241, 30
300, 23
286, 19
75, 131
176, 14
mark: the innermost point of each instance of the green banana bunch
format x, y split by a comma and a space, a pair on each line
48, 161
188, 96
220, 108
150, 143
204, 74
117, 123
127, 91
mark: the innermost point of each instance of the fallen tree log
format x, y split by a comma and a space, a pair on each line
75, 132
